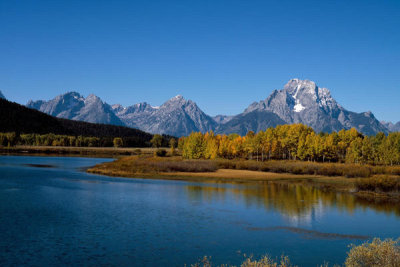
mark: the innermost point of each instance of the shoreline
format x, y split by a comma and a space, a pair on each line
100, 152
221, 175
332, 184
338, 184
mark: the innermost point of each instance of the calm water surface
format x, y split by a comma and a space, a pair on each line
52, 213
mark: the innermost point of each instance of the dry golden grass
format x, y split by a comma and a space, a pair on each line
377, 253
245, 175
380, 253
176, 168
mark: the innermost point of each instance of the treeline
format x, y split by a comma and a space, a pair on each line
11, 139
22, 125
295, 142
20, 119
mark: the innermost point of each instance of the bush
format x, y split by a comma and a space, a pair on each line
354, 171
146, 164
226, 164
379, 183
118, 142
394, 170
160, 153
265, 261
377, 253
185, 166
301, 167
380, 253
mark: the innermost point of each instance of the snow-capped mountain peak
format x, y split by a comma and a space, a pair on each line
306, 94
302, 101
299, 101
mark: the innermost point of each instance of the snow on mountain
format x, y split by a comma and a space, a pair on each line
2, 96
302, 101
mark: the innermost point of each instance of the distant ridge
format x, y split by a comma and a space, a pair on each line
177, 117
300, 101
17, 118
391, 126
73, 106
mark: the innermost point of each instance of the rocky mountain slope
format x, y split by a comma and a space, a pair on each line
176, 117
391, 126
20, 119
302, 101
73, 106
256, 120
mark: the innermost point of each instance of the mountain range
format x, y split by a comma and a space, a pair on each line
176, 117
73, 106
300, 101
391, 126
20, 119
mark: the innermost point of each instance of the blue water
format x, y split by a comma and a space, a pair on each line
60, 216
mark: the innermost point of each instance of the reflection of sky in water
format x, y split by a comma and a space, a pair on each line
62, 216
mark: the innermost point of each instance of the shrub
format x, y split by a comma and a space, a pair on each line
184, 166
248, 165
377, 253
160, 153
265, 261
379, 183
380, 253
118, 142
394, 170
354, 171
226, 164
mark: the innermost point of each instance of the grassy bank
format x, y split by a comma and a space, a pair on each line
77, 151
366, 181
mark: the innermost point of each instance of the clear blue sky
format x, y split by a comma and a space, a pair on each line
221, 54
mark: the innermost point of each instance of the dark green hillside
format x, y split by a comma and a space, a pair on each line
20, 119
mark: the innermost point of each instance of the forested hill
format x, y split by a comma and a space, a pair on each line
20, 119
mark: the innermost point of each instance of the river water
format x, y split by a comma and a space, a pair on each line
53, 213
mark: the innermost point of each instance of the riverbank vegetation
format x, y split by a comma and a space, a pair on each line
102, 152
382, 253
22, 120
382, 181
295, 142
11, 139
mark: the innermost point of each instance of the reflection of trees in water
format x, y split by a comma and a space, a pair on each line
296, 201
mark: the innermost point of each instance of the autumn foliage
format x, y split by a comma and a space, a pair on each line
295, 142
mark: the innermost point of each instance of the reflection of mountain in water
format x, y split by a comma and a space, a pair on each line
298, 203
